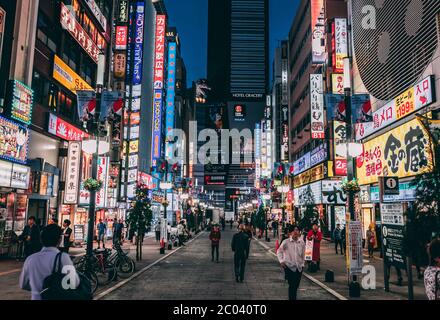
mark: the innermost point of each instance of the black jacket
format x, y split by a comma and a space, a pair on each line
67, 235
240, 244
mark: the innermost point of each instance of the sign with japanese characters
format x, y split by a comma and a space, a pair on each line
121, 37
159, 57
308, 194
339, 44
171, 94
67, 77
317, 106
339, 137
393, 234
97, 13
122, 13
14, 141
318, 32
75, 29
157, 126
138, 44
410, 101
72, 173
102, 175
65, 130
21, 102
314, 174
338, 83
355, 251
402, 152
332, 192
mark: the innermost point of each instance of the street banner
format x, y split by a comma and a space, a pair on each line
86, 101
112, 103
309, 250
355, 250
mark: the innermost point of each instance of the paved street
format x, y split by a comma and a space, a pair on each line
189, 274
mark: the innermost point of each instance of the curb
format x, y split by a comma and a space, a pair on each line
122, 283
314, 280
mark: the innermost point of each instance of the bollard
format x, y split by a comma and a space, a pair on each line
329, 276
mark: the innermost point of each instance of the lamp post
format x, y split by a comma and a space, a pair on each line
92, 206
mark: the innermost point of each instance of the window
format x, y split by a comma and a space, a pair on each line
45, 32
66, 106
41, 88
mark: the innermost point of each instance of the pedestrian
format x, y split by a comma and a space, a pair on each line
232, 223
102, 228
371, 240
432, 272
40, 265
316, 235
157, 230
337, 236
181, 233
343, 239
31, 237
67, 233
223, 224
275, 228
291, 255
168, 232
117, 232
239, 246
215, 237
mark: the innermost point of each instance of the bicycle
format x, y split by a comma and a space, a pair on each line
98, 264
85, 268
124, 265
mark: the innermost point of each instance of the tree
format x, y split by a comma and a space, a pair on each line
311, 213
139, 217
423, 218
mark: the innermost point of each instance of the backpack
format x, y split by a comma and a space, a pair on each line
53, 285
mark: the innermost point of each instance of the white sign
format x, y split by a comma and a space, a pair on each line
302, 196
318, 155
103, 171
340, 216
416, 98
392, 214
20, 176
332, 192
302, 164
317, 106
72, 173
309, 250
355, 247
341, 42
98, 14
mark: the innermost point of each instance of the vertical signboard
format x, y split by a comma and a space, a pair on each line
171, 91
158, 76
340, 44
285, 133
318, 32
317, 106
393, 234
2, 30
103, 172
138, 44
257, 155
339, 137
72, 173
355, 250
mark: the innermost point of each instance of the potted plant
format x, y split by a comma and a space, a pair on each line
92, 184
351, 186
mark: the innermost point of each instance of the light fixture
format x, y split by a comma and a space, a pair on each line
89, 146
347, 73
353, 149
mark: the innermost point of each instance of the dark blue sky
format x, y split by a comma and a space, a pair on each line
190, 18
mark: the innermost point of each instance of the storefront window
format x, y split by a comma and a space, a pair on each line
66, 106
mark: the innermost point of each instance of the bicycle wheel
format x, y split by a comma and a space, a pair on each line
105, 271
91, 275
125, 266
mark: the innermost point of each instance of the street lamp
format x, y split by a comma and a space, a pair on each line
94, 148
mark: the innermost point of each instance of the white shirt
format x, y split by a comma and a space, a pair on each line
292, 253
38, 267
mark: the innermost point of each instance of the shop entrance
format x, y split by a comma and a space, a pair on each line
38, 209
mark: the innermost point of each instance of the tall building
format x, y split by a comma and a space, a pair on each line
238, 72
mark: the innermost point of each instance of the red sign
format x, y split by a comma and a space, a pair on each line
75, 29
340, 167
65, 130
159, 58
290, 196
146, 180
121, 37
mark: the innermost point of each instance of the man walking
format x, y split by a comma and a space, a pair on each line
215, 237
338, 238
181, 233
291, 255
239, 246
102, 228
31, 237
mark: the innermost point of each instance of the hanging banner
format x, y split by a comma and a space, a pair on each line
122, 12
410, 101
317, 106
102, 175
86, 103
112, 103
402, 152
72, 173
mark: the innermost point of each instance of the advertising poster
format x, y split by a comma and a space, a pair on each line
22, 100
318, 32
339, 137
309, 250
317, 106
14, 140
355, 247
86, 103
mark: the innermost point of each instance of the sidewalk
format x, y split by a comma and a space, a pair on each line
10, 269
336, 263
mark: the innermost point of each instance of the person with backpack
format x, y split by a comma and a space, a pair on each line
432, 273
215, 237
39, 266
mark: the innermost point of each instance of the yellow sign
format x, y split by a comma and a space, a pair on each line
403, 152
337, 83
315, 174
405, 103
67, 77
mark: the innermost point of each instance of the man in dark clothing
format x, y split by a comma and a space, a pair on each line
338, 238
215, 237
31, 237
117, 232
239, 246
275, 228
67, 232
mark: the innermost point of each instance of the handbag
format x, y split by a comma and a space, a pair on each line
53, 285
